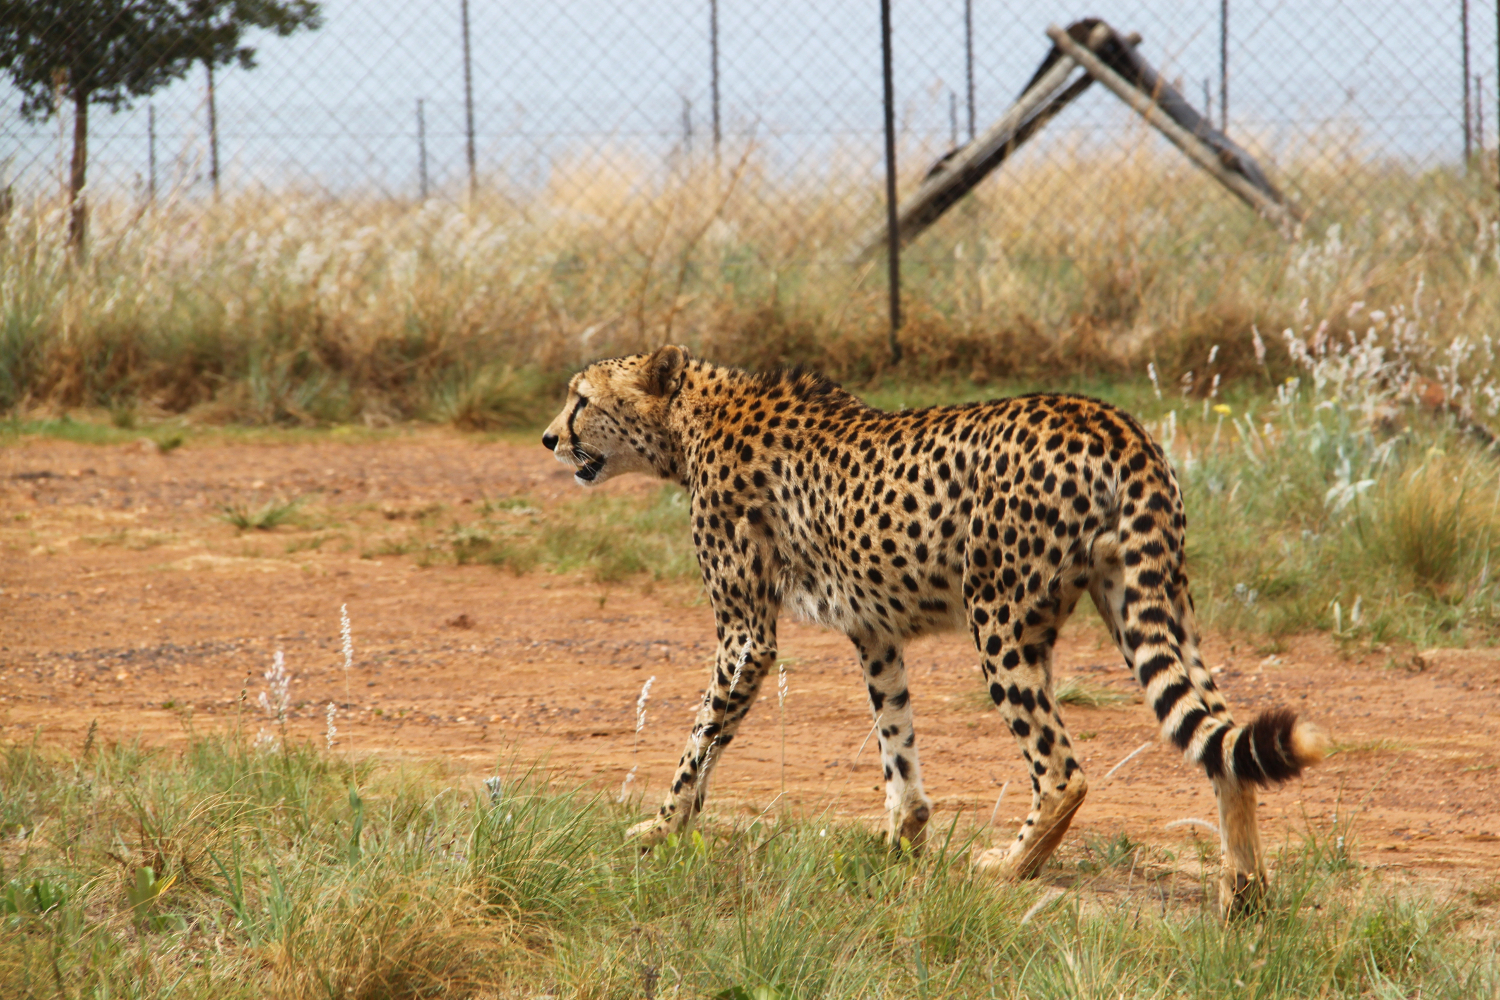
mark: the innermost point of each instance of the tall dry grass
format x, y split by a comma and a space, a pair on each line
285, 306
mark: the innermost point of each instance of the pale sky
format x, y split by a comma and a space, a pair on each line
337, 108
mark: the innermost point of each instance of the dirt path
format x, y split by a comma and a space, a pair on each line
124, 599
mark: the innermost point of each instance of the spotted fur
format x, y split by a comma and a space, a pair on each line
993, 517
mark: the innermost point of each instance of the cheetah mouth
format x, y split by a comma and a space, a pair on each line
589, 466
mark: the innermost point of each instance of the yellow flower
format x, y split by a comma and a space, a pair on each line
1223, 409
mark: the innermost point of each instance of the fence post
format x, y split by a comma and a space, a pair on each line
469, 105
421, 149
969, 60
1463, 9
1224, 66
713, 69
213, 131
892, 239
151, 160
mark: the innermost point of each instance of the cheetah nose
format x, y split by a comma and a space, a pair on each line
549, 441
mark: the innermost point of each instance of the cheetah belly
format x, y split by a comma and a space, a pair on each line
855, 606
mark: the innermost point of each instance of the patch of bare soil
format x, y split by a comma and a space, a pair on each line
125, 599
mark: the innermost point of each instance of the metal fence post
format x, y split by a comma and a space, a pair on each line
421, 149
469, 105
893, 241
213, 131
1463, 8
1224, 66
969, 60
713, 68
151, 156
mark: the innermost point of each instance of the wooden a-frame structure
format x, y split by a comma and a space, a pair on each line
1092, 45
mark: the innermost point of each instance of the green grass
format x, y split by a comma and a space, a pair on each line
607, 538
1075, 690
217, 871
260, 517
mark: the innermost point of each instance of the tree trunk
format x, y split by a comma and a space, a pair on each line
78, 216
213, 131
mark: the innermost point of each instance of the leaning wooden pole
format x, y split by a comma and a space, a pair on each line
1195, 148
942, 189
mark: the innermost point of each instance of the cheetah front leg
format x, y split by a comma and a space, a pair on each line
745, 655
908, 806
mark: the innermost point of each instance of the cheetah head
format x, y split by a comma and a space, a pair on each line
614, 420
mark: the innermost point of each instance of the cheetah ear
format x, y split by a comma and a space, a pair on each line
664, 369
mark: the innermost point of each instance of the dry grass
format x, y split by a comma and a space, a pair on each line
283, 307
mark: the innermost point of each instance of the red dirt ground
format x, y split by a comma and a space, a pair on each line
124, 599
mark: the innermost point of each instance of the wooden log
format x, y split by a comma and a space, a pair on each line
942, 189
1196, 149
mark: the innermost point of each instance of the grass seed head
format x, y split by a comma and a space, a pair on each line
640, 704
275, 701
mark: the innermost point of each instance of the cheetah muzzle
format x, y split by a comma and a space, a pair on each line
993, 518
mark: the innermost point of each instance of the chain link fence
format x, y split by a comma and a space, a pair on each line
570, 99
472, 190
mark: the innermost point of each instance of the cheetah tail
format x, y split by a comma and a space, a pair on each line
1273, 748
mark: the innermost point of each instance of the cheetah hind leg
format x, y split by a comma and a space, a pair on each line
1052, 822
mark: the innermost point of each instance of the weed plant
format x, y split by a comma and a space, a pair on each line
218, 871
261, 517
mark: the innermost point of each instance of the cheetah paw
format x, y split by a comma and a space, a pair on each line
648, 833
998, 862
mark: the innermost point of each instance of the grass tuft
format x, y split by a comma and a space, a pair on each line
263, 517
1076, 690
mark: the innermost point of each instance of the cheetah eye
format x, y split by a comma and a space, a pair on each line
582, 402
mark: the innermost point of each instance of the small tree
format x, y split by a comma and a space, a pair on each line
87, 52
213, 33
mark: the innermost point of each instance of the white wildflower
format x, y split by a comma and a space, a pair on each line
332, 729
265, 743
348, 635
640, 704
276, 702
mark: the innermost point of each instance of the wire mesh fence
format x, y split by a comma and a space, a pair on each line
653, 164
572, 98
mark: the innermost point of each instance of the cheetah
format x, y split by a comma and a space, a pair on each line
996, 517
